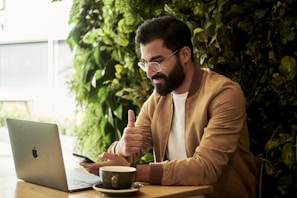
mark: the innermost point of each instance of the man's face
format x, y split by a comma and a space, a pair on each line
170, 82
171, 75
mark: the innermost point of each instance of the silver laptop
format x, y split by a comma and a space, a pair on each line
38, 157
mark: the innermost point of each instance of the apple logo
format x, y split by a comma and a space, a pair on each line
34, 152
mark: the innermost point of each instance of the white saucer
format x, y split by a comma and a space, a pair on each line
120, 192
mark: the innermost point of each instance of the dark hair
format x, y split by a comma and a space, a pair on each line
175, 33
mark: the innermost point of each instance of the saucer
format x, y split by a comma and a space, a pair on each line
120, 192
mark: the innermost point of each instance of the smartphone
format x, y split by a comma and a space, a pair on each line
83, 158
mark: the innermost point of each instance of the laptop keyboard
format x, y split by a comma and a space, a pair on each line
78, 180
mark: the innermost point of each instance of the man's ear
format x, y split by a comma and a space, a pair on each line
185, 54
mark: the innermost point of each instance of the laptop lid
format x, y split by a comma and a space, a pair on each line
37, 153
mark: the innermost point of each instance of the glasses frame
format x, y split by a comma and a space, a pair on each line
155, 66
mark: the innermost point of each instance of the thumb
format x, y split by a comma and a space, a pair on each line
131, 118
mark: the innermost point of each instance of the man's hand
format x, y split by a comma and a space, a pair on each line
132, 139
108, 159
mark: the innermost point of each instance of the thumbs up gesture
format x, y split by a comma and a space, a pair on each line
132, 138
131, 118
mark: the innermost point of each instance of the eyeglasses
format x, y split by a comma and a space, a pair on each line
155, 66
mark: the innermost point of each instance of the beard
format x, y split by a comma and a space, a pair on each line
173, 81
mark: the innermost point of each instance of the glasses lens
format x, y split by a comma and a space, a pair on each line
154, 66
143, 66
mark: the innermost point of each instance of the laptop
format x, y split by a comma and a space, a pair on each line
38, 157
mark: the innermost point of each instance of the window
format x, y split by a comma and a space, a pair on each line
24, 65
38, 71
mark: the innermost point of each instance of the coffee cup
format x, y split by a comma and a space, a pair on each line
117, 177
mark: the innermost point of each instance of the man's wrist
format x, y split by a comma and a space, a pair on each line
143, 173
115, 148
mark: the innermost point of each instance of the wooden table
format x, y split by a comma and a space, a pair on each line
10, 186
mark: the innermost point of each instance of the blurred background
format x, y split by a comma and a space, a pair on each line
35, 62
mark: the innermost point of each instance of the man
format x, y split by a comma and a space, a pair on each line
194, 120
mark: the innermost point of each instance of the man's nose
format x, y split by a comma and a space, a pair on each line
150, 72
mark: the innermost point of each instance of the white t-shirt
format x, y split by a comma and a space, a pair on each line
176, 144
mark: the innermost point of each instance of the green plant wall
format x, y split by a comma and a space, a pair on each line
253, 42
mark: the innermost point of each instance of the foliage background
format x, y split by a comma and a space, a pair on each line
253, 42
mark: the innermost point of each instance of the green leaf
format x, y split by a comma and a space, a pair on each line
198, 30
118, 112
198, 10
271, 144
102, 94
269, 168
97, 54
288, 154
288, 67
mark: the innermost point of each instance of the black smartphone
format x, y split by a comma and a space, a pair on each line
83, 158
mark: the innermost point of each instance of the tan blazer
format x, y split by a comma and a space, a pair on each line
216, 138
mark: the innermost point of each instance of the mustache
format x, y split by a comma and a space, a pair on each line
158, 76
